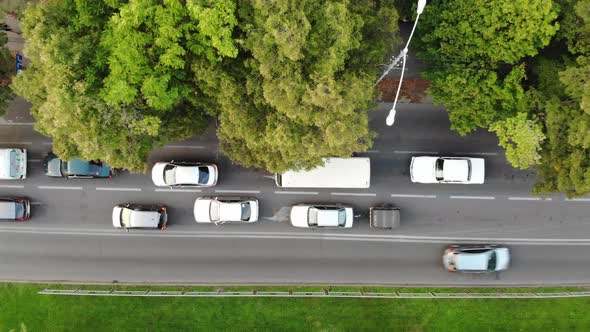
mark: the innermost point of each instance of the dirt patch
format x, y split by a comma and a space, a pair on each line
413, 90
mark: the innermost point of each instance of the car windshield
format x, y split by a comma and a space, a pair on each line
126, 217
170, 174
312, 216
63, 167
492, 262
468, 170
20, 210
203, 174
246, 211
438, 169
341, 217
13, 163
214, 211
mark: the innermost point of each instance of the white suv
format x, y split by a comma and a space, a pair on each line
463, 170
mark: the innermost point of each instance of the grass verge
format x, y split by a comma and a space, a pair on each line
20, 305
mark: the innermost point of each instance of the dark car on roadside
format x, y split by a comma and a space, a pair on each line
15, 209
75, 168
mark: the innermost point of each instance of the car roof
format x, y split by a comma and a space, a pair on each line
187, 174
472, 261
456, 170
7, 209
145, 218
328, 218
78, 166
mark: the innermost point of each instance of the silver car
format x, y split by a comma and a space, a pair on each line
476, 258
318, 215
140, 216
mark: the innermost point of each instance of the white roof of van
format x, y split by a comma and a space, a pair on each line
335, 173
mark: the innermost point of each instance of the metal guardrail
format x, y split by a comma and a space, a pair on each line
323, 294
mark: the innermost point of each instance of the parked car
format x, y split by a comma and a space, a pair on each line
226, 210
317, 215
75, 168
476, 258
184, 174
463, 170
16, 209
13, 164
140, 216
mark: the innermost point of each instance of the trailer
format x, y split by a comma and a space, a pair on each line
384, 217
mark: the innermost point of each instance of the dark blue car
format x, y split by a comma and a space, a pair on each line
75, 168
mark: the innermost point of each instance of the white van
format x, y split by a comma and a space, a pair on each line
335, 173
13, 164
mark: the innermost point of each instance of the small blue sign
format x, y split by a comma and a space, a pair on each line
19, 63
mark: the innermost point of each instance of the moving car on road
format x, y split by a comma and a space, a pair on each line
16, 209
184, 174
13, 164
463, 170
220, 210
75, 168
140, 216
318, 215
476, 258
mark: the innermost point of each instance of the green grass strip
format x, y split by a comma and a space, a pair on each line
20, 304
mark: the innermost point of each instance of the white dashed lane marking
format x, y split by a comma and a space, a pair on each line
296, 192
413, 196
59, 188
472, 197
353, 194
117, 189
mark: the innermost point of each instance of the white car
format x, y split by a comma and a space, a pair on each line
13, 164
447, 170
220, 210
311, 216
140, 216
184, 174
476, 258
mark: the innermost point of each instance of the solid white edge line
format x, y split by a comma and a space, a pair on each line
117, 189
17, 123
413, 196
34, 160
11, 186
16, 143
58, 187
471, 197
231, 191
297, 192
577, 199
354, 194
178, 190
295, 236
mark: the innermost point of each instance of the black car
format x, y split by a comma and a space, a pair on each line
16, 209
75, 168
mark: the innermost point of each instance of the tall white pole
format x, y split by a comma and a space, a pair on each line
403, 56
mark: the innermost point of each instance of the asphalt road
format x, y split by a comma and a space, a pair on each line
70, 236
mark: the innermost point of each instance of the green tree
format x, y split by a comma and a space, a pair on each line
522, 138
477, 97
309, 78
6, 70
112, 80
489, 31
566, 151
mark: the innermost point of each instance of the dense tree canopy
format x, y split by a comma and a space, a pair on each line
516, 75
309, 82
290, 81
6, 70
